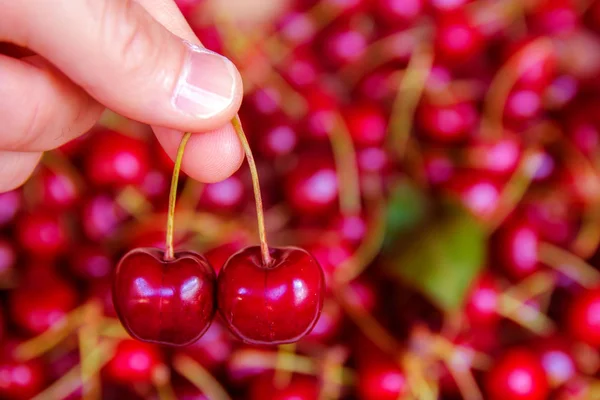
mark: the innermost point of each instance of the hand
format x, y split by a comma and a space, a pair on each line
139, 58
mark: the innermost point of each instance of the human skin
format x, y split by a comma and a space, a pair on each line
138, 58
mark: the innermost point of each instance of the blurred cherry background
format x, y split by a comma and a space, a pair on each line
439, 158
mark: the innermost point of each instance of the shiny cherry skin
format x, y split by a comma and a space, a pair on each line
582, 319
478, 192
169, 302
117, 159
447, 123
483, 301
271, 304
342, 45
42, 234
516, 247
381, 380
312, 187
57, 190
517, 375
366, 123
225, 196
278, 139
456, 39
132, 362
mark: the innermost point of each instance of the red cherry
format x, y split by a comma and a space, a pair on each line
522, 105
38, 305
117, 159
342, 44
557, 360
517, 375
330, 256
366, 123
351, 228
329, 324
321, 116
42, 234
278, 139
101, 216
499, 157
534, 68
438, 165
274, 304
10, 203
373, 160
155, 184
218, 256
583, 317
164, 301
213, 349
312, 187
482, 303
381, 380
447, 123
516, 249
457, 39
227, 195
57, 189
301, 387
132, 362
302, 68
398, 12
448, 5
90, 262
477, 191
554, 17
100, 290
20, 380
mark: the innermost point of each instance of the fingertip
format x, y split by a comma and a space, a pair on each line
210, 156
16, 168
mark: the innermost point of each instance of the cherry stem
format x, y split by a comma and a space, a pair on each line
568, 264
345, 158
199, 377
262, 233
409, 93
169, 252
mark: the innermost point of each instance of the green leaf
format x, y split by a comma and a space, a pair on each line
443, 259
407, 207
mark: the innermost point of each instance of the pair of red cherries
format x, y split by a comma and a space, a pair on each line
173, 301
265, 295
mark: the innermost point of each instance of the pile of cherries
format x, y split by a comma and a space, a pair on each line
365, 118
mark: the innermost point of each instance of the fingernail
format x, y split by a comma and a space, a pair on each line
207, 84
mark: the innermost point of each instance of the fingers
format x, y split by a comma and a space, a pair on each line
129, 62
209, 157
16, 168
40, 109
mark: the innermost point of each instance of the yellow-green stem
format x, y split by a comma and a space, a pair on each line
169, 252
262, 233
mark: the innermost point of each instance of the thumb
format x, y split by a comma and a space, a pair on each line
129, 62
